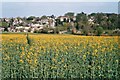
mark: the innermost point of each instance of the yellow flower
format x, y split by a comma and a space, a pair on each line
84, 57
99, 67
29, 61
62, 60
21, 61
28, 56
53, 59
96, 50
117, 61
23, 48
35, 62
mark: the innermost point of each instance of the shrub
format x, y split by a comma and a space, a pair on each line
99, 31
74, 31
116, 32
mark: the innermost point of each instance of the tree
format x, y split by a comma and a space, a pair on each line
4, 24
82, 22
85, 30
52, 16
99, 17
118, 24
78, 17
31, 18
77, 26
69, 14
74, 31
66, 25
44, 17
113, 18
6, 29
81, 17
99, 31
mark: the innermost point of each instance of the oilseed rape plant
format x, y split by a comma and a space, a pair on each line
60, 56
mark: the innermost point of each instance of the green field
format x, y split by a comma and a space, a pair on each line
60, 56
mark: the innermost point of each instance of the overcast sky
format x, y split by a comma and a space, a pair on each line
15, 9
60, 0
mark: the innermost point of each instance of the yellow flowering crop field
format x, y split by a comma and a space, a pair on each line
60, 56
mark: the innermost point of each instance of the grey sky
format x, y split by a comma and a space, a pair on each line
15, 9
60, 0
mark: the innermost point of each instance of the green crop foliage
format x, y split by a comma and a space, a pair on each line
60, 56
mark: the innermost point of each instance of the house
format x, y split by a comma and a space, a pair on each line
26, 29
51, 23
62, 32
7, 19
11, 29
91, 21
1, 29
63, 18
67, 18
36, 27
48, 22
20, 21
32, 30
44, 22
19, 29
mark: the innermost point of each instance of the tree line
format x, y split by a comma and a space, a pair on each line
94, 23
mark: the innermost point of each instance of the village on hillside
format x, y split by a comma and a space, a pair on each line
81, 23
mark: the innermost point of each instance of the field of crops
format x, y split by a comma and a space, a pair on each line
60, 56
